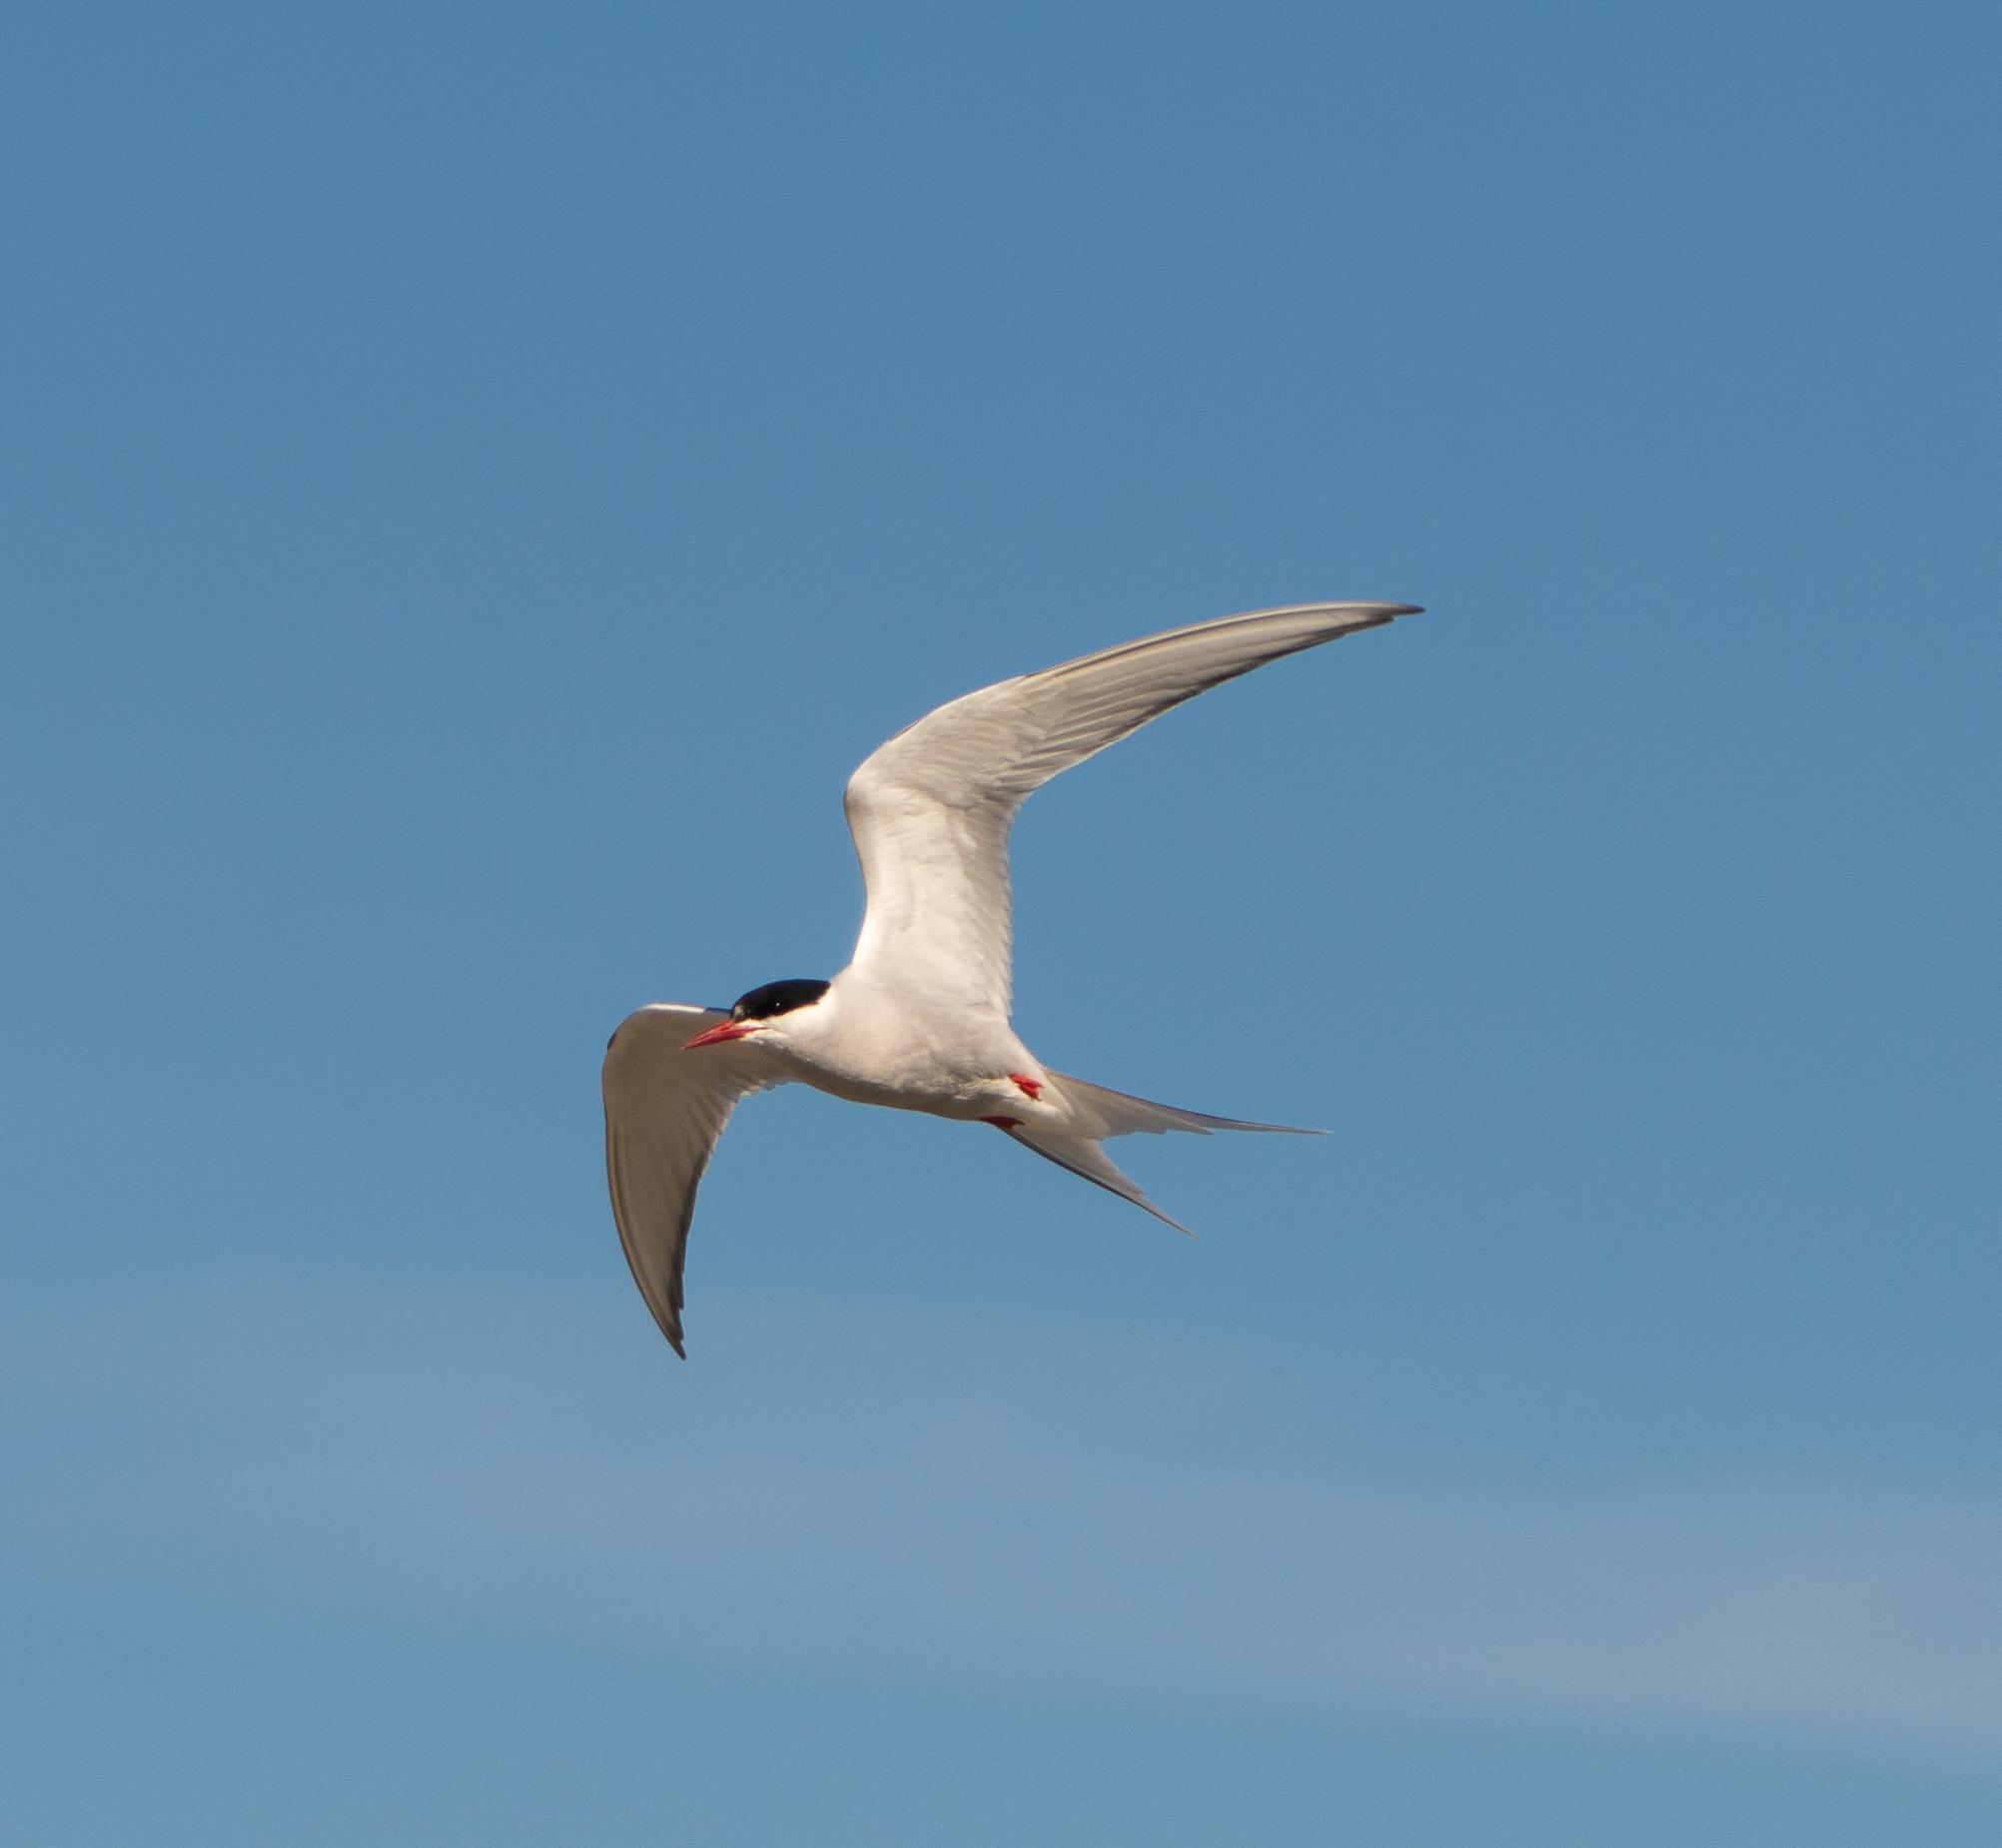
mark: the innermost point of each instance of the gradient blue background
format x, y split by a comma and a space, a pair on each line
478, 478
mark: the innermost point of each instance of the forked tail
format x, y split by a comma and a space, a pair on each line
1100, 1114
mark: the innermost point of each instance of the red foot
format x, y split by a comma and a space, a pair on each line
1004, 1123
1031, 1087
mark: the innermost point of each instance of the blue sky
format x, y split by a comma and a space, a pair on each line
477, 479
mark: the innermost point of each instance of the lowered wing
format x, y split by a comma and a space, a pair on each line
663, 1110
932, 809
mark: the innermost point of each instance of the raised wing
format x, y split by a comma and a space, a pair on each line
930, 810
663, 1110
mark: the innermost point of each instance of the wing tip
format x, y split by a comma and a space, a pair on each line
1382, 614
668, 1324
1376, 613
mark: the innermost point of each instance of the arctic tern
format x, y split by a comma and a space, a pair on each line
919, 1018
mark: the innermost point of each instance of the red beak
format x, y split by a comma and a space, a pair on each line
714, 1036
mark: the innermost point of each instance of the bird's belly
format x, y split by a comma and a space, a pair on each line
968, 1083
952, 1104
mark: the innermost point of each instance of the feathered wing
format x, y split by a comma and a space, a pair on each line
663, 1110
930, 810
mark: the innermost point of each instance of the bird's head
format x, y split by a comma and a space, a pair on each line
752, 1014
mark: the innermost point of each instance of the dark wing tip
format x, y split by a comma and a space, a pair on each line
669, 1325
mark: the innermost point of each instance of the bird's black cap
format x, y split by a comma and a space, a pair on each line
777, 998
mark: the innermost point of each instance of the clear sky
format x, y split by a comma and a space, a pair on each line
477, 481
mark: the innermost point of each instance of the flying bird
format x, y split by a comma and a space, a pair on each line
919, 1018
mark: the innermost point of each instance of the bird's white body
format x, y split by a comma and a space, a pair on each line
871, 1046
919, 1018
